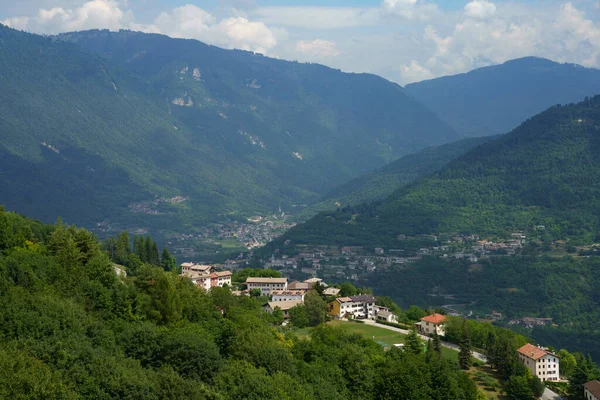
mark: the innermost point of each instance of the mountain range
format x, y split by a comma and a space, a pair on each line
124, 121
544, 173
496, 99
132, 130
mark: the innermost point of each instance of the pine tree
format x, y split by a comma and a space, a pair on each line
412, 343
437, 344
153, 256
464, 355
167, 261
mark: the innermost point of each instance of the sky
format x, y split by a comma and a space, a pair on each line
402, 40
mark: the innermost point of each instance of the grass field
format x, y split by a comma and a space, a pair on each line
380, 335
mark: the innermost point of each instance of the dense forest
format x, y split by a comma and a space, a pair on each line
496, 99
544, 173
384, 181
73, 328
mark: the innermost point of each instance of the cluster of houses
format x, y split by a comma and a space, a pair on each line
205, 276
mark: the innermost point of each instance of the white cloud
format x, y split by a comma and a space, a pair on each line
317, 48
308, 17
480, 9
190, 21
410, 9
16, 22
414, 72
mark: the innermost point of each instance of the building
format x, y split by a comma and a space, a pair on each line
206, 280
358, 307
284, 306
331, 291
193, 267
312, 281
591, 390
432, 324
300, 286
266, 285
540, 362
287, 295
387, 316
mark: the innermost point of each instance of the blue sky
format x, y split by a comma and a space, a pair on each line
401, 40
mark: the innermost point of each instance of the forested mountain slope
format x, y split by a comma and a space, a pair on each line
497, 99
92, 141
545, 172
309, 124
384, 181
73, 329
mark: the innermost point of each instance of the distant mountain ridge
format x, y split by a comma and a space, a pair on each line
227, 133
496, 99
384, 181
545, 172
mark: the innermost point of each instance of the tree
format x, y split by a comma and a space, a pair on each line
567, 362
412, 343
518, 388
437, 344
316, 308
464, 355
537, 387
347, 289
255, 293
278, 316
414, 313
167, 261
299, 316
585, 371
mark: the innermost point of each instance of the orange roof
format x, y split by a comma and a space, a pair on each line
434, 318
593, 387
532, 351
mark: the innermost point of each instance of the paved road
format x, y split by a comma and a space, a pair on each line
548, 394
479, 356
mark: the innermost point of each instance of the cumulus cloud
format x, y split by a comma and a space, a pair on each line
480, 9
190, 21
20, 23
309, 17
409, 9
317, 48
414, 72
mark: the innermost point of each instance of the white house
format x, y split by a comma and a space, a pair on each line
387, 316
206, 280
591, 390
540, 362
331, 291
432, 324
361, 307
266, 285
193, 267
287, 295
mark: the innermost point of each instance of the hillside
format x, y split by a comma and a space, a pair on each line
384, 181
94, 141
545, 172
73, 329
494, 100
309, 125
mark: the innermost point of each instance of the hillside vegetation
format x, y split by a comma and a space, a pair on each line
545, 173
382, 182
73, 329
149, 118
496, 99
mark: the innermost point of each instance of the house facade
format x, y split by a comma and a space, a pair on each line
287, 295
358, 307
387, 316
591, 390
540, 362
206, 280
193, 267
266, 285
432, 324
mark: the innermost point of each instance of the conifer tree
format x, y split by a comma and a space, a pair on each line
464, 355
412, 343
437, 344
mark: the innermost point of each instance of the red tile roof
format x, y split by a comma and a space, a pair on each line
532, 351
434, 318
594, 388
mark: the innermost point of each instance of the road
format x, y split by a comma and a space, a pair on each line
479, 356
548, 394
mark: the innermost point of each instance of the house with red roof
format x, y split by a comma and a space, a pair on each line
432, 324
540, 362
591, 390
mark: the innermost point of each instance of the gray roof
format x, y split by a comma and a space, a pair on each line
364, 298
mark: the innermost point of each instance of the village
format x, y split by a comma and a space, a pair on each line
283, 296
356, 262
